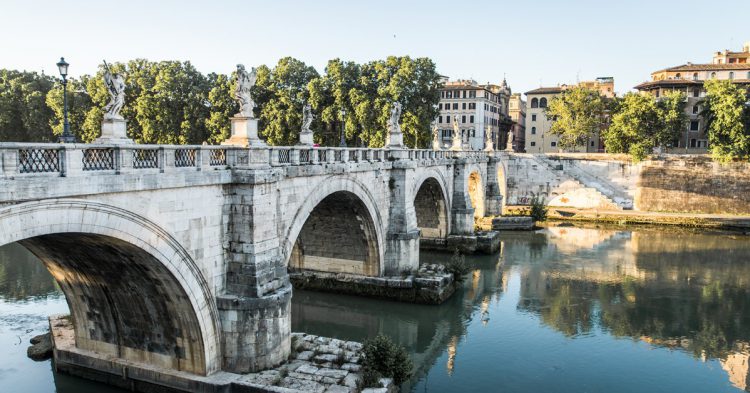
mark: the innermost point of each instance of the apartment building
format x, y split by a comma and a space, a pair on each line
517, 113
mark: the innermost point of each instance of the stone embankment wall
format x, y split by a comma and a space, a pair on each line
694, 185
666, 183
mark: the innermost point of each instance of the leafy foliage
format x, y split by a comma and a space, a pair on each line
24, 114
727, 117
170, 102
577, 113
538, 209
640, 123
383, 357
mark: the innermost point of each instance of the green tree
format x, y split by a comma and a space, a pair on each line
280, 95
79, 106
24, 114
577, 114
640, 123
221, 106
727, 117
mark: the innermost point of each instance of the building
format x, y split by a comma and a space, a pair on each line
688, 78
517, 112
476, 107
538, 138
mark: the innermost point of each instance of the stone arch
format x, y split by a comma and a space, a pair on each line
338, 228
432, 204
475, 189
134, 292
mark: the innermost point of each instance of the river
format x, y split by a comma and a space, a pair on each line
562, 309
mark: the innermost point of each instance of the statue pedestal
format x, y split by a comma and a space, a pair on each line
114, 131
244, 133
395, 140
306, 138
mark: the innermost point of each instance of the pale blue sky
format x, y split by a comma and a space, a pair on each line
547, 41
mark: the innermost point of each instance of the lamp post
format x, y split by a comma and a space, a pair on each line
66, 136
343, 128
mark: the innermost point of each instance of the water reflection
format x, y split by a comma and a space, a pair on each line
565, 309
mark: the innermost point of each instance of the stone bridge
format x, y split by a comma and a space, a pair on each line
177, 257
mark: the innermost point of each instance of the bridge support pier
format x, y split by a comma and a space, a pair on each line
402, 239
493, 205
255, 311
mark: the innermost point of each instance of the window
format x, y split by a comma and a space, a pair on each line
731, 75
472, 133
471, 119
694, 125
442, 94
447, 118
692, 143
592, 143
533, 117
533, 143
553, 144
448, 94
696, 109
463, 106
696, 92
463, 119
440, 119
713, 75
695, 76
464, 93
440, 106
533, 130
657, 93
534, 103
543, 102
678, 75
455, 105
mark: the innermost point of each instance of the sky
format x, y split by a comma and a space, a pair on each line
544, 42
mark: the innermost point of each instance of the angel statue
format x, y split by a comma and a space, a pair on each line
307, 118
393, 125
245, 81
116, 88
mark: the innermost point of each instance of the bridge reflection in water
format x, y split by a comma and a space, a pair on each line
670, 290
566, 308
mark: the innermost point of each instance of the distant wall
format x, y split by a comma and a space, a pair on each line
666, 183
694, 184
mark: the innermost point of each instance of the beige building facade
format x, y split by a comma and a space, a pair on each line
517, 112
478, 108
538, 138
688, 79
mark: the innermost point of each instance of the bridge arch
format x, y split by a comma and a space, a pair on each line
134, 293
432, 204
338, 228
475, 188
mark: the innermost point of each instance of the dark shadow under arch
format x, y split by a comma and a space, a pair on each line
123, 301
430, 207
338, 236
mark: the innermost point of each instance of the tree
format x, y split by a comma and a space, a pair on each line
280, 95
640, 123
24, 114
727, 117
221, 106
577, 114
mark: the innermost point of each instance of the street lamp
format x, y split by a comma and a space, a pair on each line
343, 128
66, 136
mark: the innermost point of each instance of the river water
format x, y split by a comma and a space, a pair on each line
562, 309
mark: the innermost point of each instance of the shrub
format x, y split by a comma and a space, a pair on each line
538, 209
457, 266
382, 357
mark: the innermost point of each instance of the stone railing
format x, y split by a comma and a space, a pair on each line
25, 159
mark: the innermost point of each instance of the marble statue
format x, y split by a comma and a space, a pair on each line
395, 117
245, 81
116, 88
488, 145
437, 144
307, 118
511, 137
457, 141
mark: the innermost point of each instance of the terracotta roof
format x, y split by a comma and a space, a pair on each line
546, 90
707, 67
680, 82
